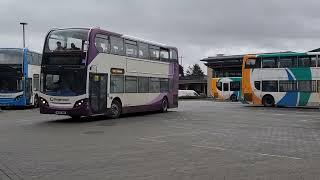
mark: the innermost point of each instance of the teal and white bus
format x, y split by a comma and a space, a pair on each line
282, 79
19, 77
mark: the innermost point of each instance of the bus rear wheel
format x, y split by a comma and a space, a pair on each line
116, 109
233, 98
164, 105
268, 101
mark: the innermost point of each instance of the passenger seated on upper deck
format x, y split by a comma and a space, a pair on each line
73, 47
99, 47
59, 47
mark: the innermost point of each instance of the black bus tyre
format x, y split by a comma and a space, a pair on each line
268, 101
164, 105
36, 101
233, 98
115, 110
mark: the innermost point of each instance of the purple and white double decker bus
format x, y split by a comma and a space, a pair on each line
92, 71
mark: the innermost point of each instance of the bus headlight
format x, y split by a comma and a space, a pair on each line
18, 97
44, 102
80, 103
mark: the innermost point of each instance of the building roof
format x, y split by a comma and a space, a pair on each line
222, 61
222, 58
315, 50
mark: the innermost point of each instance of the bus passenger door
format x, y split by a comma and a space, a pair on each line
226, 90
98, 92
28, 90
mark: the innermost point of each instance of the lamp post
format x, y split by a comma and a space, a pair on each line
23, 31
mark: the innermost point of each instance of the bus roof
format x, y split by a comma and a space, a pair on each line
19, 49
121, 35
282, 54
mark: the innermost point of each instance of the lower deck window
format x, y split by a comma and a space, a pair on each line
116, 83
235, 86
131, 84
154, 85
307, 86
257, 85
164, 85
225, 86
270, 86
285, 86
143, 84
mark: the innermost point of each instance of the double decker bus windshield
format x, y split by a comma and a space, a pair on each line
64, 82
10, 84
11, 61
67, 40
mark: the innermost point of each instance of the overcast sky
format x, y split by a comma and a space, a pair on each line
198, 28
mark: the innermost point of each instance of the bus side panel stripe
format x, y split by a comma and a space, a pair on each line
302, 74
291, 98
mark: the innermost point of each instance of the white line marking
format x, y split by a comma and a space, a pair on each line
153, 140
179, 134
209, 147
279, 156
180, 127
279, 114
223, 149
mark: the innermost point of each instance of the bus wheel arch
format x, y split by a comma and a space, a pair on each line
234, 98
268, 100
164, 104
116, 108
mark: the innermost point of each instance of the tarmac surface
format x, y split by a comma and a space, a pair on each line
201, 139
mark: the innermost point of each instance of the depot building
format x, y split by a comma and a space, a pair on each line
222, 66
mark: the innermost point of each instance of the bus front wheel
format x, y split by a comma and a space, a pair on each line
268, 101
115, 110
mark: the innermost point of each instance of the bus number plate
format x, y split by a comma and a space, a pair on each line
61, 112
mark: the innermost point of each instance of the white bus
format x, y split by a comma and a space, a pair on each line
19, 77
93, 71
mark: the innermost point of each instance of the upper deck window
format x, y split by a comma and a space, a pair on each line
131, 48
11, 56
143, 50
287, 62
67, 40
164, 54
269, 62
173, 54
117, 46
102, 43
154, 52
